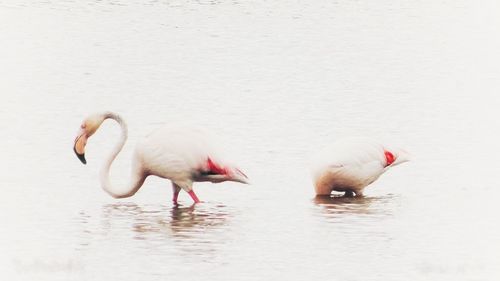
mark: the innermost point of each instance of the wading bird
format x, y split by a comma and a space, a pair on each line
183, 156
352, 164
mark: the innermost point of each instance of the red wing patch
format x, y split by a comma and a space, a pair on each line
214, 168
389, 157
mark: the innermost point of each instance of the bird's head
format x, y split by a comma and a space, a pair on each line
88, 127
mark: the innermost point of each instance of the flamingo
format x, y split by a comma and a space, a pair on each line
352, 164
180, 155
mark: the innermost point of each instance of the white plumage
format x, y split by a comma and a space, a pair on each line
349, 165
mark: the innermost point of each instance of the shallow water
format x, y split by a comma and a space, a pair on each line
276, 80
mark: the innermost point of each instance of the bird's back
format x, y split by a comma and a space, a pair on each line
352, 151
175, 152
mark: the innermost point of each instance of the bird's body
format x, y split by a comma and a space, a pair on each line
186, 155
352, 164
181, 155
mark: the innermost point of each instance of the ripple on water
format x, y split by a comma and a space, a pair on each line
361, 216
340, 207
187, 230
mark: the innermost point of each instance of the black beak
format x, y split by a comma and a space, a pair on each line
80, 156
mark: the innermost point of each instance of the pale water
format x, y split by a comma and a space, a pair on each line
277, 80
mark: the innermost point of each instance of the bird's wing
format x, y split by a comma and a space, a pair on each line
363, 174
176, 151
354, 152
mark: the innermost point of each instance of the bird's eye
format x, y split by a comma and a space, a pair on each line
83, 126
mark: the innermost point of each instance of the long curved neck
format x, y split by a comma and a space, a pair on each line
137, 177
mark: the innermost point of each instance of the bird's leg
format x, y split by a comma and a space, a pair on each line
193, 195
349, 193
176, 189
188, 187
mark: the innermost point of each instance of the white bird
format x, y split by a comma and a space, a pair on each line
350, 165
180, 155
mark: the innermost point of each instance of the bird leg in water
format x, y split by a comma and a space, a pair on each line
193, 195
176, 189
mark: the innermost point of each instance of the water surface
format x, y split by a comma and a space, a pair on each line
276, 80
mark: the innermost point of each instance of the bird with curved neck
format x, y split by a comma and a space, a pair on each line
351, 164
183, 156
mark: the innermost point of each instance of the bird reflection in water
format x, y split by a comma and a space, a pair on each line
191, 221
159, 222
338, 207
196, 232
